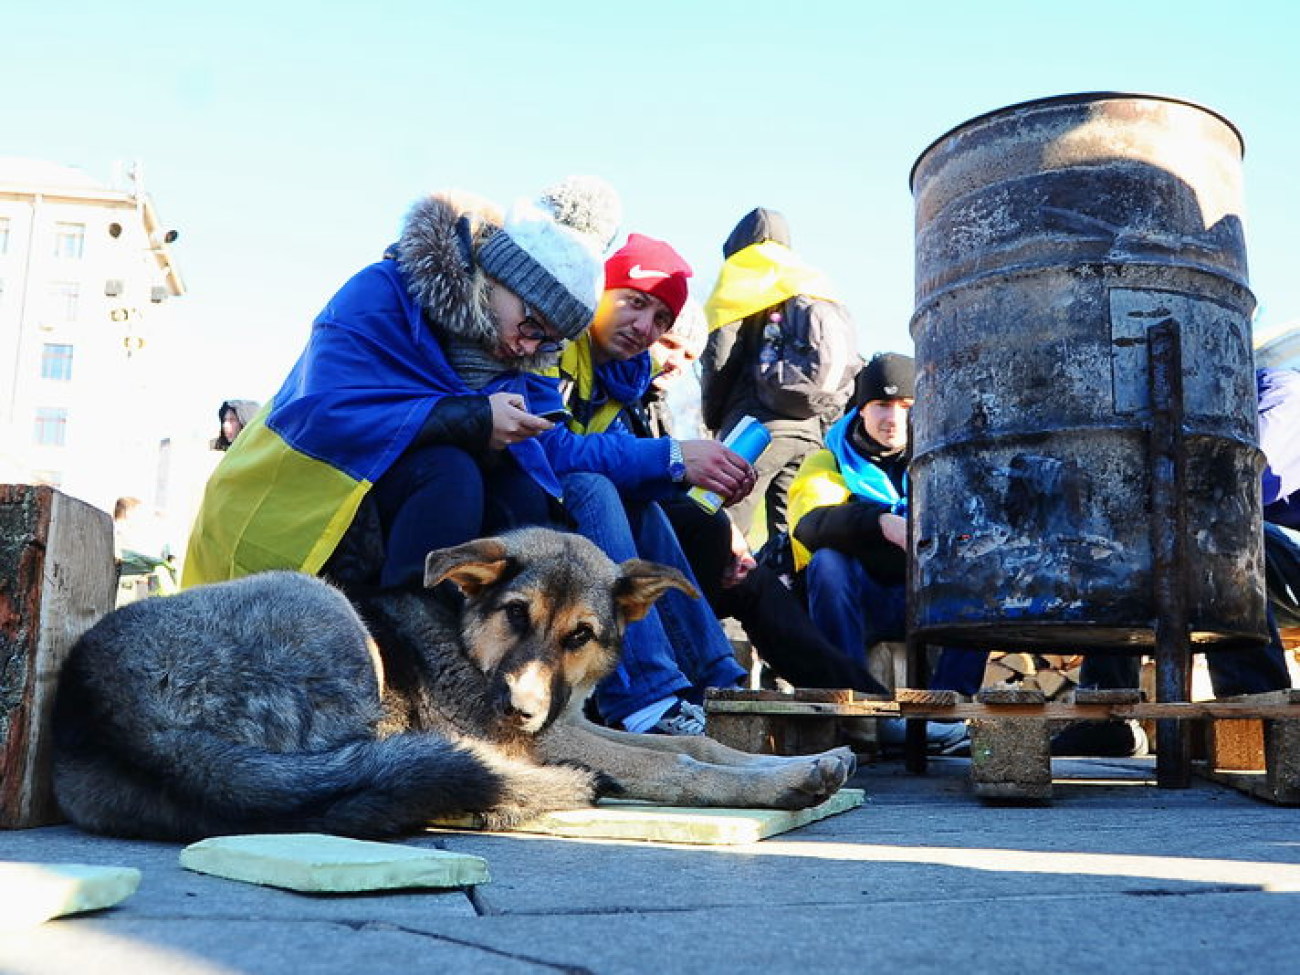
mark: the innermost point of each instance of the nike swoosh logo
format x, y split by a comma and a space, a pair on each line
636, 272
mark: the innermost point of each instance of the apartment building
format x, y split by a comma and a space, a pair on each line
86, 277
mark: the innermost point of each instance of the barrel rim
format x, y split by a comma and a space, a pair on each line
1080, 96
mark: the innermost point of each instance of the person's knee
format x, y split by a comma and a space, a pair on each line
586, 487
830, 570
436, 464
438, 480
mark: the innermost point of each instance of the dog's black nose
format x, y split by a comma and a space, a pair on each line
515, 714
505, 703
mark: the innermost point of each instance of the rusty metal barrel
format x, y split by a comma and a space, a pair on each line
1054, 239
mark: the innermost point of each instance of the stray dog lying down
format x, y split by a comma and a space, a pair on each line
274, 704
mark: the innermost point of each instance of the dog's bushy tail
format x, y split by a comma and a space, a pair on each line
210, 786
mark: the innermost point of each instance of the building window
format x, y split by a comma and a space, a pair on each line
56, 362
65, 298
51, 426
69, 240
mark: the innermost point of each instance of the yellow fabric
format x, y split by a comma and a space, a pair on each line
817, 485
758, 277
296, 507
578, 368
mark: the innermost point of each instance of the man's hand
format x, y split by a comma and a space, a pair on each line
719, 469
511, 421
894, 528
742, 559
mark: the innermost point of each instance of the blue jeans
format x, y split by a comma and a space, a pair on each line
438, 496
855, 612
679, 647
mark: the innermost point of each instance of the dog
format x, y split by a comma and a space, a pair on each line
274, 703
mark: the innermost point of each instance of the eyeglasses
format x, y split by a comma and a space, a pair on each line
530, 327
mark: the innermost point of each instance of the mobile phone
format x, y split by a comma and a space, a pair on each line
555, 416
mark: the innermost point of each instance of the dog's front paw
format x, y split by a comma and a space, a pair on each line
816, 779
846, 759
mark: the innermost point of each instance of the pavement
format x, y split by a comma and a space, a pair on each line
1114, 874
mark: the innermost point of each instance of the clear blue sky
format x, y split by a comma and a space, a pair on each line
285, 140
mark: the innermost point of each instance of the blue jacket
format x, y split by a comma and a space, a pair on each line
599, 440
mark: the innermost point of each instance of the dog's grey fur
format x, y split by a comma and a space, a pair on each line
267, 704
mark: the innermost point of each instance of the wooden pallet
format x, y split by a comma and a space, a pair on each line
1011, 731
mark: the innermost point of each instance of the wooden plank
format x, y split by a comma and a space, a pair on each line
1108, 695
1051, 682
56, 578
1047, 711
807, 708
998, 696
925, 698
814, 695
1235, 746
1288, 695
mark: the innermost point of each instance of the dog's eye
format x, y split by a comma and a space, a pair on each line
517, 615
579, 637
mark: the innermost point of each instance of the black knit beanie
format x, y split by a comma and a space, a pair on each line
887, 376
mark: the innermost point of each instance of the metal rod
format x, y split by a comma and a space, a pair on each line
916, 664
1168, 456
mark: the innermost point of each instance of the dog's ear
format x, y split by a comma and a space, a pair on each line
640, 583
470, 566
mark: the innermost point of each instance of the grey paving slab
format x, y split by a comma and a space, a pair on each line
1115, 875
109, 946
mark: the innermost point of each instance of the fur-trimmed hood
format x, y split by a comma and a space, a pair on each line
435, 251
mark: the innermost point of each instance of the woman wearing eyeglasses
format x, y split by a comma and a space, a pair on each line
409, 421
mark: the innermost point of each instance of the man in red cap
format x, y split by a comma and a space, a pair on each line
679, 648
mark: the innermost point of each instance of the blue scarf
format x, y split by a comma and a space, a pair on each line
862, 475
622, 383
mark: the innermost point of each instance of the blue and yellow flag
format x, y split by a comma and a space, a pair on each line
289, 486
760, 276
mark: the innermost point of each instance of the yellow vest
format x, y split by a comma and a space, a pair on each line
818, 484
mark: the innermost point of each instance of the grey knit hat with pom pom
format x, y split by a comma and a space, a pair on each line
550, 250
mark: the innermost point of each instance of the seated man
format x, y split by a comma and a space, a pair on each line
679, 648
772, 615
848, 518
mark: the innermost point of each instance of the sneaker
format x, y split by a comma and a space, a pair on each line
941, 737
683, 718
1102, 739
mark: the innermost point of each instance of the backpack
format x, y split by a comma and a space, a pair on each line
807, 358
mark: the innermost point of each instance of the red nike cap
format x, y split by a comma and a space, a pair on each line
649, 265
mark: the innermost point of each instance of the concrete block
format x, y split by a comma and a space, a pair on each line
320, 863
34, 892
1282, 751
1011, 759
